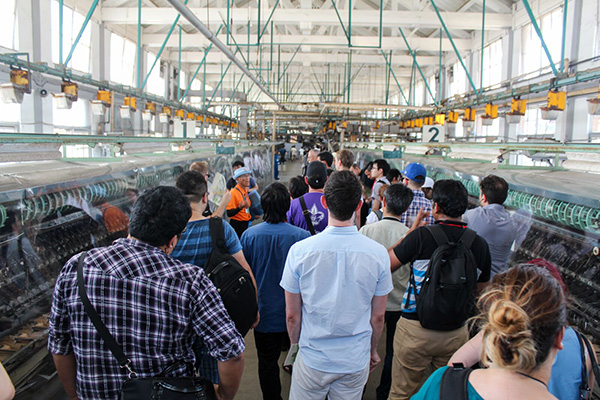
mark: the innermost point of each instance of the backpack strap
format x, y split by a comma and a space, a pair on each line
468, 237
306, 214
438, 234
109, 340
379, 214
455, 383
585, 344
217, 234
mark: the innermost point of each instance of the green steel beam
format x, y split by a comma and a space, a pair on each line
212, 97
138, 75
564, 38
60, 31
414, 56
85, 22
455, 48
179, 68
482, 45
290, 62
162, 48
341, 22
267, 24
394, 75
200, 65
439, 92
539, 33
13, 59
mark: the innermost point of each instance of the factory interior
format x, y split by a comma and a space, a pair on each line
102, 96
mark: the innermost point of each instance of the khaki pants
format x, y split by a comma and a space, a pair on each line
415, 348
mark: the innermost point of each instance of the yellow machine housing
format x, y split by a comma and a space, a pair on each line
70, 89
557, 100
104, 96
131, 102
518, 106
452, 117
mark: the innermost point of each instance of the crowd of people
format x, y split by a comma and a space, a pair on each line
342, 253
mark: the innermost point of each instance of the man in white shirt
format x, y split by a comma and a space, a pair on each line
336, 285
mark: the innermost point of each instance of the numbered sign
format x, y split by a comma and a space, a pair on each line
434, 133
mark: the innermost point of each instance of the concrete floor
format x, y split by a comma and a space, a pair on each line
250, 387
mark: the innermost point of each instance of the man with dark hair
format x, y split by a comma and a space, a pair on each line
336, 286
379, 170
394, 176
195, 246
297, 186
492, 222
414, 177
355, 169
154, 306
316, 176
344, 160
388, 232
266, 246
326, 158
415, 347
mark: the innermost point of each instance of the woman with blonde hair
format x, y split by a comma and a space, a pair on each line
523, 315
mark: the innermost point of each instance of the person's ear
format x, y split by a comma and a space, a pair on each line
383, 202
558, 340
436, 208
483, 198
323, 202
205, 198
306, 180
172, 243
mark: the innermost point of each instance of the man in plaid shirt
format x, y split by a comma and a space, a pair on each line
154, 306
414, 178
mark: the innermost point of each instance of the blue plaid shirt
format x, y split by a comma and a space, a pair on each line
154, 306
419, 201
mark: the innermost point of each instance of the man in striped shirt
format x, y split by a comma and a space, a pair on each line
153, 305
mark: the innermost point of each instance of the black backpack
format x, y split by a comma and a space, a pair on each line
446, 298
232, 281
455, 383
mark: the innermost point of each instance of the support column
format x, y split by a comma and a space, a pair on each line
273, 138
574, 105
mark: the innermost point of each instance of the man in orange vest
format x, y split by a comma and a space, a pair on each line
238, 209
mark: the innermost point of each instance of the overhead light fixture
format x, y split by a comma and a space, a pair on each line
556, 103
102, 102
517, 110
491, 113
69, 93
165, 116
469, 117
149, 111
12, 92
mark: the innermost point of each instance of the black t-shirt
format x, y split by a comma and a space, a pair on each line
420, 245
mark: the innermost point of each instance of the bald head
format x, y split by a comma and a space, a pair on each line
312, 156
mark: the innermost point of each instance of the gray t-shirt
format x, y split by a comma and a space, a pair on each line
496, 226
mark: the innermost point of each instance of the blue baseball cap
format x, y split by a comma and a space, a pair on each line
241, 171
415, 172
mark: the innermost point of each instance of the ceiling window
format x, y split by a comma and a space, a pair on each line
419, 93
492, 63
122, 60
156, 83
533, 57
72, 23
9, 28
458, 79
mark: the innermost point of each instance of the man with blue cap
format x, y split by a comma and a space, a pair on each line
238, 209
414, 178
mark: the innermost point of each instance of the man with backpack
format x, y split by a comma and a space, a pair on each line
307, 212
447, 263
195, 246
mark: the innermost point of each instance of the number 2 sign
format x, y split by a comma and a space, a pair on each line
434, 134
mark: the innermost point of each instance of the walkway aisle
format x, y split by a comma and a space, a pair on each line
250, 386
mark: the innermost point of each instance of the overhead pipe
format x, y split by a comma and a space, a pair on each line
193, 19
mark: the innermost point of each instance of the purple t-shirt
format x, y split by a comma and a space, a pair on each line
318, 214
